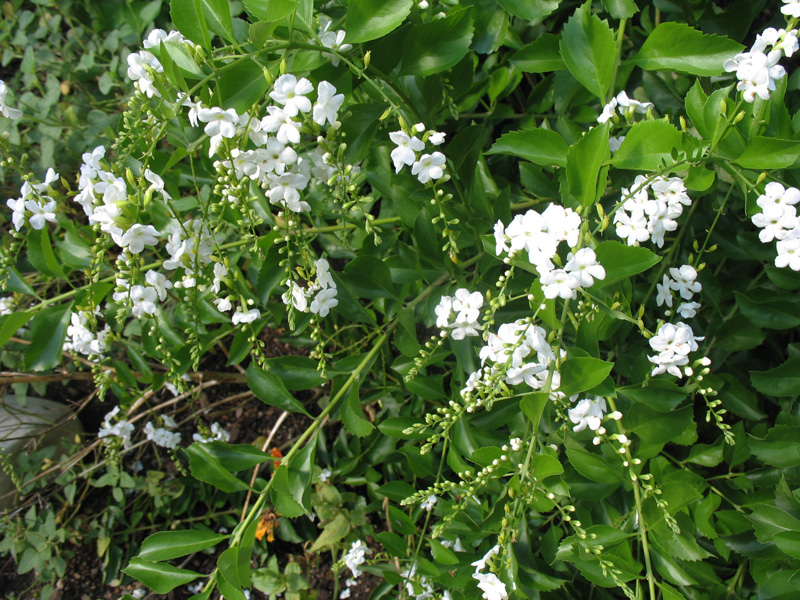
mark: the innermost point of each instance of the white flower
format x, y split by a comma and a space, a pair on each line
664, 295
428, 167
7, 111
355, 557
608, 111
437, 138
791, 8
327, 104
139, 236
334, 40
631, 104
159, 283
296, 296
583, 266
288, 130
688, 310
223, 304
559, 283
245, 317
324, 301
429, 503
587, 413
325, 475
219, 122
683, 281
157, 184
41, 213
18, 216
491, 586
162, 437
144, 300
406, 151
324, 279
290, 92
788, 254
673, 342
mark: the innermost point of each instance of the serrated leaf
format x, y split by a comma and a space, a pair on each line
438, 45
647, 145
588, 49
540, 56
530, 10
780, 447
678, 47
371, 19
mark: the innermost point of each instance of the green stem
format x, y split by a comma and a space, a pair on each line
620, 38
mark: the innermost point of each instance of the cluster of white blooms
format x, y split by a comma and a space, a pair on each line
332, 39
144, 64
540, 235
142, 298
626, 107
189, 247
417, 586
682, 280
778, 221
323, 291
428, 166
588, 413
163, 436
642, 218
459, 314
82, 340
121, 429
9, 112
757, 70
673, 342
34, 204
356, 556
489, 583
217, 434
7, 305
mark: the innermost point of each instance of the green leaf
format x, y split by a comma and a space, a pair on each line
769, 311
533, 406
182, 59
394, 544
246, 553
780, 447
623, 262
353, 416
583, 373
783, 380
236, 457
332, 533
677, 47
270, 10
269, 388
298, 372
789, 542
242, 86
48, 331
588, 49
10, 324
769, 153
438, 45
621, 9
228, 566
740, 400
647, 146
541, 146
592, 466
396, 490
530, 10
699, 178
442, 555
195, 18
660, 394
585, 159
769, 520
159, 577
656, 427
371, 19
369, 277
41, 255
205, 467
165, 545
544, 466
540, 56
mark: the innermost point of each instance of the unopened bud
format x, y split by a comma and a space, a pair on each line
723, 106
761, 177
738, 117
367, 57
683, 123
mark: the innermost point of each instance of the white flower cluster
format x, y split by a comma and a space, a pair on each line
588, 413
417, 586
757, 70
189, 246
9, 112
82, 340
683, 281
429, 166
323, 291
642, 218
163, 436
778, 221
626, 107
673, 342
356, 556
273, 163
34, 204
121, 429
217, 434
459, 314
143, 298
7, 305
540, 235
332, 39
143, 64
489, 583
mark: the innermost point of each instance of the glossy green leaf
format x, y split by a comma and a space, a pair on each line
159, 577
585, 159
269, 388
397, 490
769, 153
298, 372
783, 380
369, 277
10, 324
41, 254
740, 400
205, 467
165, 545
647, 145
541, 146
780, 447
371, 19
789, 542
196, 18
592, 466
623, 262
182, 58
353, 416
621, 9
583, 373
656, 427
48, 331
529, 9
588, 49
768, 311
540, 56
678, 47
270, 10
242, 85
438, 45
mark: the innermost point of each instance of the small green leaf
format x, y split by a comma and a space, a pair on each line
371, 19
270, 10
540, 56
541, 146
159, 577
242, 85
332, 533
769, 153
530, 10
438, 45
165, 545
770, 311
647, 146
41, 255
588, 49
660, 394
206, 467
789, 542
353, 416
269, 388
10, 324
592, 466
48, 331
583, 373
780, 447
678, 47
656, 427
623, 262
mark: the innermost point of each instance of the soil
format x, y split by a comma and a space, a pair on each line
246, 419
